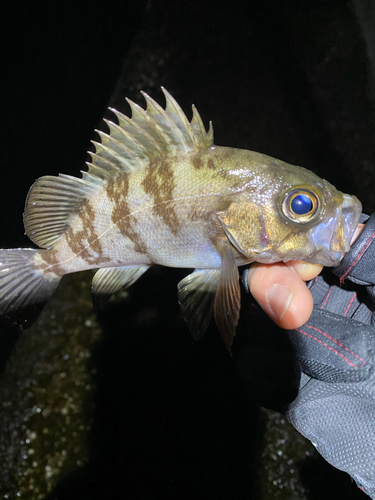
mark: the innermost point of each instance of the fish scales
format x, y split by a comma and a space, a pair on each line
147, 217
158, 191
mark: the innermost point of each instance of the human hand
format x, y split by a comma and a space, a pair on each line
281, 291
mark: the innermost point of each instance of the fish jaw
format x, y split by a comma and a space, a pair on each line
333, 236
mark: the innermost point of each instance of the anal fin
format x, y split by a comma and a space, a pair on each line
109, 280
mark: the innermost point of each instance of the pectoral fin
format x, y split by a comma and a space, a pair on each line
109, 280
228, 296
196, 294
208, 292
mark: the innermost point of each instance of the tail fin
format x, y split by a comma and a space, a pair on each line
24, 287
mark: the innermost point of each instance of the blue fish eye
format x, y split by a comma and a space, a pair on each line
301, 204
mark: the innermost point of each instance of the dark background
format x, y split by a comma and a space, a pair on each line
291, 79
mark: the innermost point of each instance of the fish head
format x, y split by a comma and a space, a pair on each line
290, 213
318, 224
332, 234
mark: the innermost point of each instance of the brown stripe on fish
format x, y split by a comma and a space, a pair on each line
211, 164
159, 183
197, 162
201, 161
196, 212
50, 261
85, 243
117, 189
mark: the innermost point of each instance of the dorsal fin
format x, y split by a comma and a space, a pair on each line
130, 145
50, 204
149, 133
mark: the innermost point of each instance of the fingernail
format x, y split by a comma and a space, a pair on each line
357, 232
298, 267
248, 274
278, 299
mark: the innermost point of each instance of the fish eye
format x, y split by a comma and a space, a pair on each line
300, 205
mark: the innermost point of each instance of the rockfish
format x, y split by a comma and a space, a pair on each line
158, 191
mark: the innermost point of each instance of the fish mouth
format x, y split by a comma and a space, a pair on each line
333, 236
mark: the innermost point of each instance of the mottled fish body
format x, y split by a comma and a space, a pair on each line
159, 192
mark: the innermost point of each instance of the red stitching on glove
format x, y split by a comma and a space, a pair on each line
350, 303
358, 256
329, 293
336, 342
315, 282
329, 347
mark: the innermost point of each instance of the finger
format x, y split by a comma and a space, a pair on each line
304, 270
281, 293
357, 232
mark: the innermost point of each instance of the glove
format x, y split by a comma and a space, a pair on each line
335, 406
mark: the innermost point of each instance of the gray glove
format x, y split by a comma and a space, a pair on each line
335, 406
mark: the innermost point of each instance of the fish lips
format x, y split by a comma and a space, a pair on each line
333, 235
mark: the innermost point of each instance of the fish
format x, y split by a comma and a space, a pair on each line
159, 191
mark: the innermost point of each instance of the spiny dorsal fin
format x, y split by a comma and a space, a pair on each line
149, 133
130, 145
